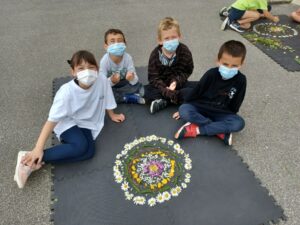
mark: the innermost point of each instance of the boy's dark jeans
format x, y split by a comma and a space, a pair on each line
209, 122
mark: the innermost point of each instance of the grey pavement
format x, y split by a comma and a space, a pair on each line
36, 39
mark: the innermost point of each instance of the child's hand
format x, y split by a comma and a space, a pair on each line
276, 19
129, 76
176, 116
172, 86
33, 158
115, 78
117, 117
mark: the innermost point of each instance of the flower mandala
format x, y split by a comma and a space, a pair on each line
152, 170
275, 30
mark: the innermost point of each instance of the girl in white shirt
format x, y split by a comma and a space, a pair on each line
76, 116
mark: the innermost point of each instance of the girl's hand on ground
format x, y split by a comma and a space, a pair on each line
176, 116
33, 158
115, 78
129, 76
117, 117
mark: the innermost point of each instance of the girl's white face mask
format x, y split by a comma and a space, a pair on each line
87, 77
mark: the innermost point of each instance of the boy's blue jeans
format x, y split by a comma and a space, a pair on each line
77, 145
211, 123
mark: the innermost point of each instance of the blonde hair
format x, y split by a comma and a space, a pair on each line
166, 24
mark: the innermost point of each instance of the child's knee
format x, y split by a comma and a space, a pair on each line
238, 125
184, 110
80, 147
256, 15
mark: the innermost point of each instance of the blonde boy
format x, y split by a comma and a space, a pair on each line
170, 65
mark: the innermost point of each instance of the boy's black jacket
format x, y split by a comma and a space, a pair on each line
215, 94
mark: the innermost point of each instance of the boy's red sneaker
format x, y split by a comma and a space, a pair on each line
187, 130
227, 138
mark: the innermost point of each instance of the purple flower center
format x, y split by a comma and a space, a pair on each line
154, 168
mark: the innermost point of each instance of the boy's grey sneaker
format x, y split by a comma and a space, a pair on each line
158, 105
224, 11
224, 24
236, 26
134, 99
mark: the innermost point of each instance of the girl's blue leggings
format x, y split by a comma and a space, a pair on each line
77, 145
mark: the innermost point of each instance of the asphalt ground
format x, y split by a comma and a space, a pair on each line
36, 39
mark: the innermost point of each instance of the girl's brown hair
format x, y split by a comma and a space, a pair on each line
80, 56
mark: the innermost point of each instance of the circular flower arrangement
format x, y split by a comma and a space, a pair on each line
275, 30
152, 170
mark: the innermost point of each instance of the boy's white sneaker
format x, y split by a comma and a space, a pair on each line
224, 23
22, 172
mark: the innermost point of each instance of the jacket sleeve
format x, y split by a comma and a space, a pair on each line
153, 71
184, 67
201, 87
237, 101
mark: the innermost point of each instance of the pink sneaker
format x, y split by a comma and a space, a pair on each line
22, 171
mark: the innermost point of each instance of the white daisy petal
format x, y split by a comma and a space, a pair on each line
183, 185
152, 202
186, 180
119, 179
160, 198
166, 195
125, 186
174, 192
178, 189
170, 142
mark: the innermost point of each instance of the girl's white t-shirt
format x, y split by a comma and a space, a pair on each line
73, 105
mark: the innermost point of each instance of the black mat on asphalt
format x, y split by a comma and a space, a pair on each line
287, 54
222, 190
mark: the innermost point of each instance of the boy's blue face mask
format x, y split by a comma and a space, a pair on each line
171, 45
116, 49
227, 73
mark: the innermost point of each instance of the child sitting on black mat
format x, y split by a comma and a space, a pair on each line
211, 108
170, 65
76, 116
117, 65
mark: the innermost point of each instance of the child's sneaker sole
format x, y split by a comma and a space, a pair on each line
230, 139
224, 23
177, 134
236, 29
16, 178
223, 10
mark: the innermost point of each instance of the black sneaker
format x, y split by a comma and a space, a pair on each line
227, 138
236, 26
224, 23
224, 12
158, 105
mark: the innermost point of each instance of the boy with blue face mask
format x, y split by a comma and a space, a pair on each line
170, 65
118, 67
211, 108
